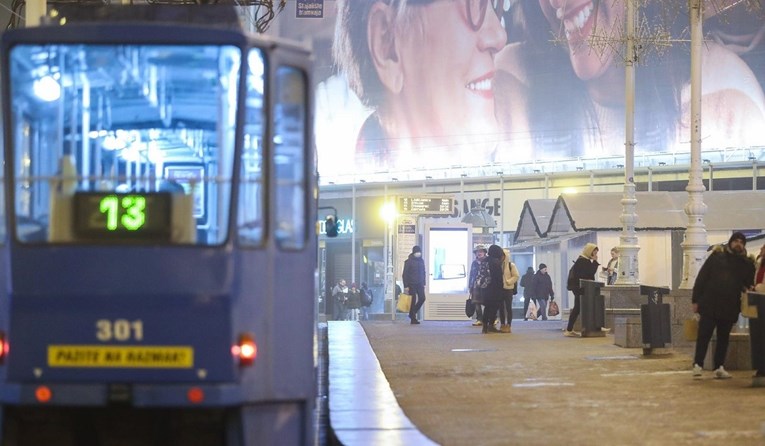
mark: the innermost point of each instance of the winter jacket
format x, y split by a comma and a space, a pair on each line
527, 282
510, 275
583, 268
414, 271
473, 273
495, 291
543, 288
720, 282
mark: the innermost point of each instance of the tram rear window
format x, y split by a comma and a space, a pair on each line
128, 216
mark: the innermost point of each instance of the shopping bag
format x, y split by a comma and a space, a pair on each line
691, 328
404, 302
553, 309
532, 313
469, 307
747, 310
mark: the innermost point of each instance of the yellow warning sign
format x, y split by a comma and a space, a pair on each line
153, 357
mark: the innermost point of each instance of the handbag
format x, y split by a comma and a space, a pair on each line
749, 311
532, 313
469, 307
554, 310
404, 302
691, 328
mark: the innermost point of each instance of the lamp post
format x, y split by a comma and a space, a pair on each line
389, 214
695, 242
628, 246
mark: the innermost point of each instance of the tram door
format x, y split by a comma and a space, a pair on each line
447, 252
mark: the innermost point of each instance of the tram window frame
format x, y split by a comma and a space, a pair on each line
47, 164
250, 209
290, 157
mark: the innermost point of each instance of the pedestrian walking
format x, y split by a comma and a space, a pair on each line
414, 282
543, 289
716, 297
527, 282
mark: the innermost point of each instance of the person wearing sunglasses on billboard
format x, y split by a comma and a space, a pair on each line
577, 55
425, 68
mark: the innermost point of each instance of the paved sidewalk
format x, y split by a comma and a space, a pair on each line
537, 387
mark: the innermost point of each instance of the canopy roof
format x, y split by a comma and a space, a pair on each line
535, 218
726, 211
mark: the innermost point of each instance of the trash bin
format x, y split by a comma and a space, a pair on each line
654, 317
757, 337
593, 309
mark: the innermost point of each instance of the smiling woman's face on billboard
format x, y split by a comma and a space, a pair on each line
438, 73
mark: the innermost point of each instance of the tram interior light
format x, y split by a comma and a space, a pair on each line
47, 88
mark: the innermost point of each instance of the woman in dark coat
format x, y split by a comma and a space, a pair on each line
492, 295
585, 267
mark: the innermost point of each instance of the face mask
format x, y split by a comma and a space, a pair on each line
418, 254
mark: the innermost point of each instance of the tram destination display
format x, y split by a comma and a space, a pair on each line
122, 216
425, 205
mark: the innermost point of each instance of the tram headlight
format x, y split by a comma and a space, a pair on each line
245, 350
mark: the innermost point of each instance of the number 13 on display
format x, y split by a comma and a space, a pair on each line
127, 212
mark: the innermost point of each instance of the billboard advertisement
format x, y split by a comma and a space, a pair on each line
408, 84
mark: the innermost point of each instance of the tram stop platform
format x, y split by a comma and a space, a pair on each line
392, 383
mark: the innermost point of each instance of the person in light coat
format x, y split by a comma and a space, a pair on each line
510, 278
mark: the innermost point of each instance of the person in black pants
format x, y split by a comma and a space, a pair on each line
493, 293
527, 282
716, 297
414, 281
585, 267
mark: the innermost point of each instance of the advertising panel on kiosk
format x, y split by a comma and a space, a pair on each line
447, 252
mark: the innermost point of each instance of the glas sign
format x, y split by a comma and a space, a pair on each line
117, 216
425, 205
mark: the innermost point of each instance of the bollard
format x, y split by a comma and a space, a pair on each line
654, 317
593, 309
757, 337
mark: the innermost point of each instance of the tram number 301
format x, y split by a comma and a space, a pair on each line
119, 330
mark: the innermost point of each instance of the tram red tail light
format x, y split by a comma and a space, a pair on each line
195, 395
43, 394
3, 347
245, 350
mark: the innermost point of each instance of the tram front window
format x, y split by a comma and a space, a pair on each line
111, 128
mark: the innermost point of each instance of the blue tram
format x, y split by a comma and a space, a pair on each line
158, 242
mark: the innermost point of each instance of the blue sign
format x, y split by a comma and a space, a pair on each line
313, 9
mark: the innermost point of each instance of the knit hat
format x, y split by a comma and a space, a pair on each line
737, 236
416, 248
588, 249
480, 248
542, 266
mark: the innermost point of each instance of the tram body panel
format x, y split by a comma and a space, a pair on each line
161, 250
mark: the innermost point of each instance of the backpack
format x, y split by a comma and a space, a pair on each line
515, 286
483, 278
366, 298
572, 284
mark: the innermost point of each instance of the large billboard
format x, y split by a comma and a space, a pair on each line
427, 84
